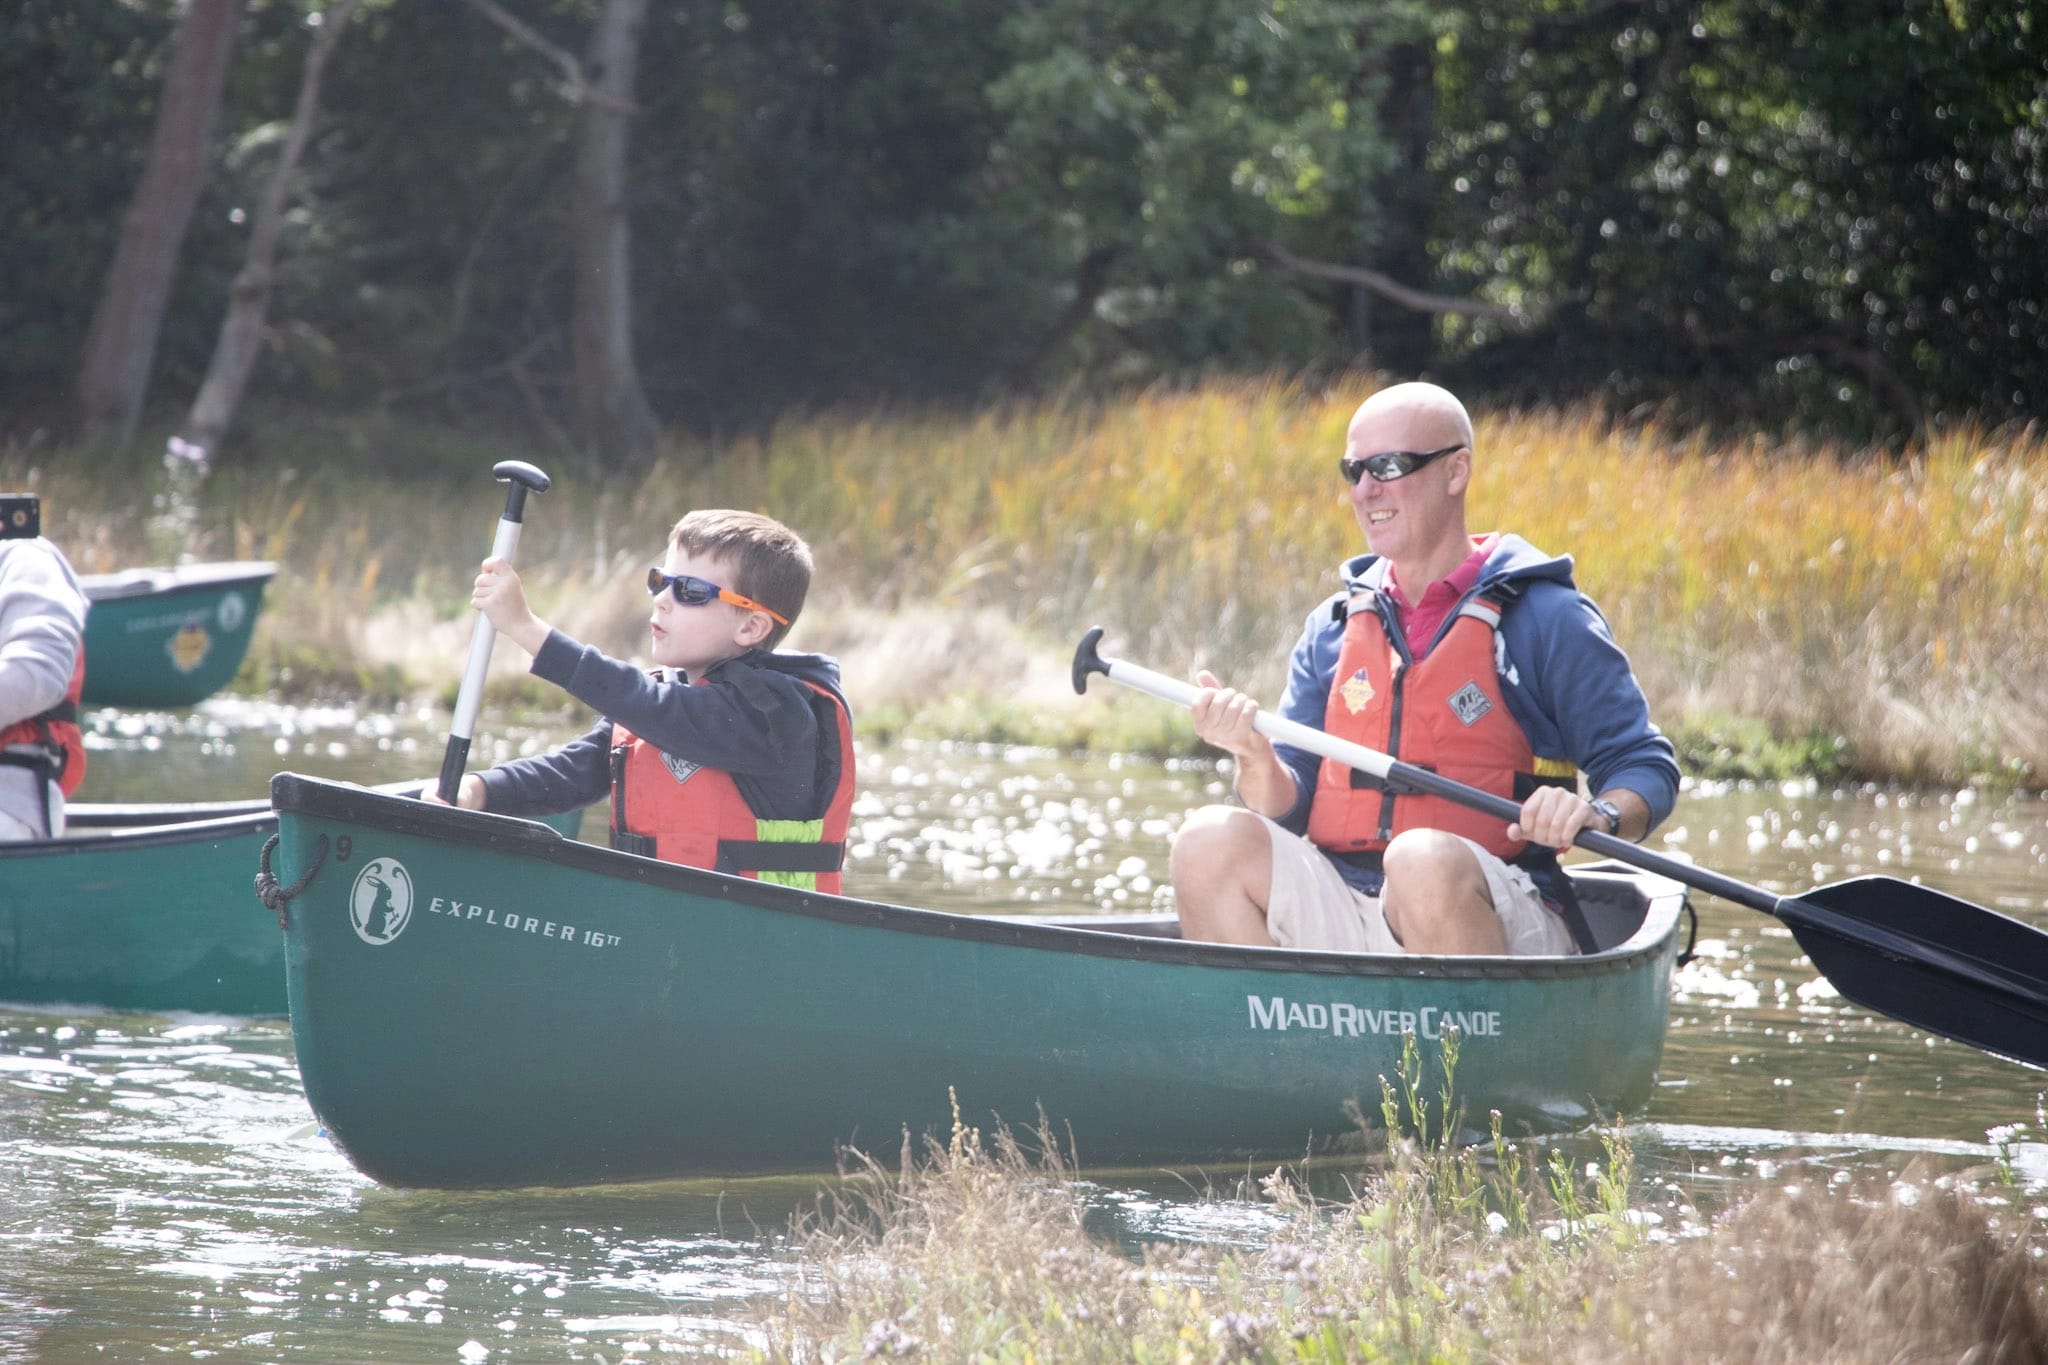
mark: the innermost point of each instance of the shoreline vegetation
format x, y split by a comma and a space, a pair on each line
1794, 609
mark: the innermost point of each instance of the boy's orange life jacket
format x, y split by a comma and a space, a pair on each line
663, 807
56, 732
1444, 712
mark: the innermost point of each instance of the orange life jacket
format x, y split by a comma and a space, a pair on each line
663, 807
1444, 712
55, 732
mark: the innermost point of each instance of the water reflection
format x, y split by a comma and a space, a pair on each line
167, 1192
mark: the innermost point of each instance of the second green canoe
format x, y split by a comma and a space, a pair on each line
169, 637
146, 907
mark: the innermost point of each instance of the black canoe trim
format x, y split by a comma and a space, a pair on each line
320, 799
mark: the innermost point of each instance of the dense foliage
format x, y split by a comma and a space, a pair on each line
1831, 214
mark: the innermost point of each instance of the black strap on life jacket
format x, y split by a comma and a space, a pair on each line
765, 855
48, 766
622, 839
1573, 914
49, 760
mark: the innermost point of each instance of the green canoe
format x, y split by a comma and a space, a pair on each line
477, 1002
145, 907
169, 637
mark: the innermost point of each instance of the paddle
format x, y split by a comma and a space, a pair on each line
521, 478
1916, 954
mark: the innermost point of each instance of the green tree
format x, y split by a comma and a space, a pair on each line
81, 84
1822, 213
1143, 157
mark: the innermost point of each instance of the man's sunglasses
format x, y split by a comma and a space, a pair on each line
695, 592
1390, 465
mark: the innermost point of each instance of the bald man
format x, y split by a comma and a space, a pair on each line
1473, 655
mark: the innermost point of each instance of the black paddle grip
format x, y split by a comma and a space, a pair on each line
523, 478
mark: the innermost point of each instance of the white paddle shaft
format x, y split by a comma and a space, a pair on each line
1304, 737
470, 698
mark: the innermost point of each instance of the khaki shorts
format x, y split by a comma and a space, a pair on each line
1310, 905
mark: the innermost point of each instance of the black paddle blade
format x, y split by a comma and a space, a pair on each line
1930, 960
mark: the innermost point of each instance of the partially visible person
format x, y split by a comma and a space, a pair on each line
42, 671
728, 754
1475, 656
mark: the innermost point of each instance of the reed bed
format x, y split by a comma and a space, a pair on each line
981, 1249
1880, 614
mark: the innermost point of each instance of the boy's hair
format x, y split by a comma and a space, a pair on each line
770, 562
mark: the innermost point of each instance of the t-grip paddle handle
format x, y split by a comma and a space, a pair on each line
521, 478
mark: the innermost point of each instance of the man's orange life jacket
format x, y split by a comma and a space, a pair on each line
663, 807
1444, 712
55, 734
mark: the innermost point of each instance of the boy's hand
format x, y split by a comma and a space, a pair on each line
499, 597
469, 795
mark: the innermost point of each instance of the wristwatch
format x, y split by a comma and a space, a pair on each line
1612, 812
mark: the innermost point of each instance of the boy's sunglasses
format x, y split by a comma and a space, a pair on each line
1390, 465
695, 592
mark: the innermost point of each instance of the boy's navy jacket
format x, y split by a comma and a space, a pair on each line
752, 717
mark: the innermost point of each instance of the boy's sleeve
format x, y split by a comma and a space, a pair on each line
570, 778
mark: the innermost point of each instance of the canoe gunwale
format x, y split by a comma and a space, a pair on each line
318, 798
173, 831
107, 817
95, 827
152, 582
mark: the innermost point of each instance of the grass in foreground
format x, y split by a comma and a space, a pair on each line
979, 1251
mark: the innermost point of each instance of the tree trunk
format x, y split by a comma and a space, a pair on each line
120, 345
612, 408
241, 335
1405, 341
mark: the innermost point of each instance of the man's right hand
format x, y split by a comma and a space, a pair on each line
1225, 718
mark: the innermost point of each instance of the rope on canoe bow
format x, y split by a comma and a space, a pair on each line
278, 897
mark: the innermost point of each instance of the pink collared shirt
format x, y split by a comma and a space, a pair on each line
1420, 621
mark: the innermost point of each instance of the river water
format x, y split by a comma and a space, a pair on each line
164, 1191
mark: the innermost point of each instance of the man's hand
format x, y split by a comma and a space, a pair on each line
1224, 717
1553, 816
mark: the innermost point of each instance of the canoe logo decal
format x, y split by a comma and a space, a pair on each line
1344, 1019
189, 647
233, 610
380, 902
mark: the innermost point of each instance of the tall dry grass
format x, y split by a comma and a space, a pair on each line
1897, 603
981, 1249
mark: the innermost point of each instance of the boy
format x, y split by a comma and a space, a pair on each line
727, 755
